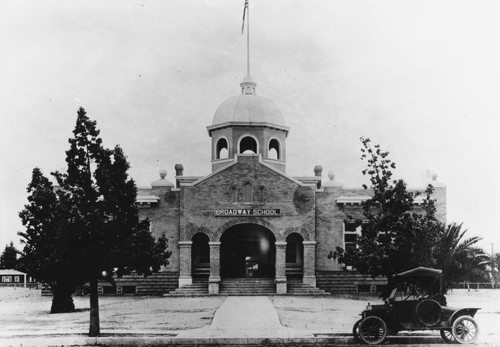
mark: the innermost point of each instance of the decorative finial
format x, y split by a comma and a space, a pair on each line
248, 86
434, 176
331, 175
163, 174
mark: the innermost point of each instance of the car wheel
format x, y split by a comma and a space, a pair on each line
372, 330
465, 329
447, 336
355, 332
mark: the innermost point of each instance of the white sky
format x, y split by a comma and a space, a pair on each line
422, 78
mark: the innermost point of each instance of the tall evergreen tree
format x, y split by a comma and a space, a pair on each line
8, 259
96, 215
48, 243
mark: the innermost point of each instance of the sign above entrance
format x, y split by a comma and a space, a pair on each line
255, 212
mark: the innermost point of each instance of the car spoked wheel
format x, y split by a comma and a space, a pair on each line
447, 336
465, 330
372, 330
355, 332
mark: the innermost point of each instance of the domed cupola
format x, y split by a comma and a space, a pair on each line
248, 124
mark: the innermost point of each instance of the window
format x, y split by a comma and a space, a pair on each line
262, 192
248, 192
222, 149
352, 229
234, 194
274, 149
6, 279
16, 279
248, 143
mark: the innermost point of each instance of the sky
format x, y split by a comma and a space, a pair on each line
420, 78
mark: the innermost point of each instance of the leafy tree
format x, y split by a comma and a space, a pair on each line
396, 235
88, 227
8, 259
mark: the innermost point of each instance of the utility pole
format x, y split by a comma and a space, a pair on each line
492, 268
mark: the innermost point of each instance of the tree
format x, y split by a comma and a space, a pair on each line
396, 235
88, 228
49, 243
458, 258
495, 266
8, 259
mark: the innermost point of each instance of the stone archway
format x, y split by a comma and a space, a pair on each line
248, 250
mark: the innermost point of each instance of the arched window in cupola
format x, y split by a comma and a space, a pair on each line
222, 149
248, 144
274, 149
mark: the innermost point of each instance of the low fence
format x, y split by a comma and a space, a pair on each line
476, 285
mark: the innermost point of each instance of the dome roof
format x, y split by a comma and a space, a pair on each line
248, 108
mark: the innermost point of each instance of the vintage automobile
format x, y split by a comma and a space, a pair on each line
413, 300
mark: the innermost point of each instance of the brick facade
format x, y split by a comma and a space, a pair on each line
282, 227
314, 212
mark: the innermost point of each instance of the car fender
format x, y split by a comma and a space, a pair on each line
462, 312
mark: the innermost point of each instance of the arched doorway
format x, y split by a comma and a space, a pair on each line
248, 250
200, 256
294, 257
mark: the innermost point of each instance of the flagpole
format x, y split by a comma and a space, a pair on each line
248, 41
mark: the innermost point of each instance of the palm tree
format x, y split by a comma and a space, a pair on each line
457, 256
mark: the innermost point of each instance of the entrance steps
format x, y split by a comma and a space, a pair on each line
296, 287
247, 286
197, 288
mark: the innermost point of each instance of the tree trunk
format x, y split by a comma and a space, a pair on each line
62, 301
94, 329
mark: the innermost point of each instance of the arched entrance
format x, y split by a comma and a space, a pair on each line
248, 250
294, 257
200, 256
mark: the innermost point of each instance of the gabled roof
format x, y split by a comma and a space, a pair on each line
202, 179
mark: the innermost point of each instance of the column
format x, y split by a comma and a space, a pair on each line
214, 279
185, 263
280, 267
309, 263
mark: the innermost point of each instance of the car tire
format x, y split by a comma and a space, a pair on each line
465, 329
355, 332
447, 336
372, 330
